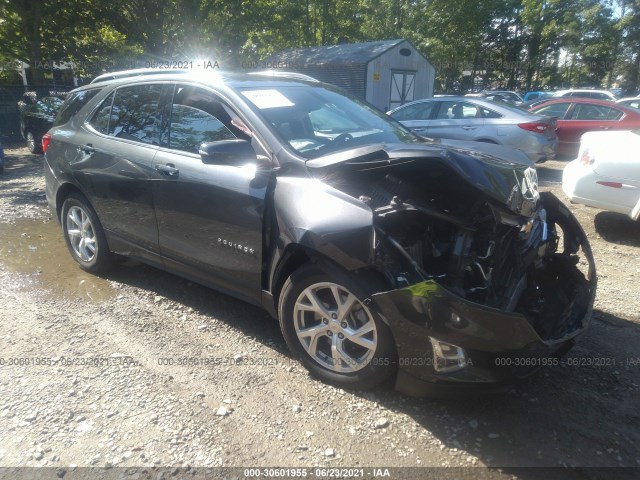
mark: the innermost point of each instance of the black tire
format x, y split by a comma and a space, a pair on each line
33, 143
89, 246
357, 367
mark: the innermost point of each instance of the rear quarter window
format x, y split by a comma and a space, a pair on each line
73, 104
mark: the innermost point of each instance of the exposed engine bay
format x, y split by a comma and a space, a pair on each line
431, 224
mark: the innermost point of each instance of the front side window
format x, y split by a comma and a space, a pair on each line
554, 110
197, 117
135, 114
417, 111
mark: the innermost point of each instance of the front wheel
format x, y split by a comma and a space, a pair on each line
332, 332
83, 234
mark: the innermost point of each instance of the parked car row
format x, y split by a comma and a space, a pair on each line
548, 126
576, 116
516, 99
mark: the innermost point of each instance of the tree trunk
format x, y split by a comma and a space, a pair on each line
32, 24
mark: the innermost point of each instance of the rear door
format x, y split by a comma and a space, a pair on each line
209, 216
456, 119
115, 167
586, 117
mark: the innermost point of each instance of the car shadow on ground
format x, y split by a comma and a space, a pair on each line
617, 228
582, 412
575, 417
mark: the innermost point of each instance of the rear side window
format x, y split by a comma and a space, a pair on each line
487, 113
135, 114
584, 111
457, 110
73, 104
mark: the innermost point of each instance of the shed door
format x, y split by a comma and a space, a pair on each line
402, 88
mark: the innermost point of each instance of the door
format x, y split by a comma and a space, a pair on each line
115, 156
456, 119
586, 117
209, 216
402, 88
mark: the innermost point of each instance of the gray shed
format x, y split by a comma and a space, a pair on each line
387, 73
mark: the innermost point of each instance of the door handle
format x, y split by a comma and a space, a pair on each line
169, 169
604, 127
469, 128
88, 149
419, 129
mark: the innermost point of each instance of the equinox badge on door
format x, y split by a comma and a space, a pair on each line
236, 246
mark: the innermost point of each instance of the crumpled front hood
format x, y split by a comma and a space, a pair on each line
502, 173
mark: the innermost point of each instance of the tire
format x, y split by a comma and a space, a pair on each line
352, 349
32, 143
83, 235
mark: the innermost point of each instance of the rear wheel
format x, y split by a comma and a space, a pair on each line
332, 332
33, 144
83, 234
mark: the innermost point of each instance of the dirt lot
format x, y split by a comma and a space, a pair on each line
86, 378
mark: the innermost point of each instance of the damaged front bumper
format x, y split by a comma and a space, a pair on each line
446, 342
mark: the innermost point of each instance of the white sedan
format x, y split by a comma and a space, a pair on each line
606, 173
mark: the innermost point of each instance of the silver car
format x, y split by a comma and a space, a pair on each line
464, 118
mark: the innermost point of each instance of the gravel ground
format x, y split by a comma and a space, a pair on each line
95, 372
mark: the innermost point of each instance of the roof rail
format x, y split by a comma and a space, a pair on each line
135, 73
281, 74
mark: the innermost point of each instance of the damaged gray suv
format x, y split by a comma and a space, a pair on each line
385, 256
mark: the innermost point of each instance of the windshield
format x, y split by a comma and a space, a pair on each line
316, 121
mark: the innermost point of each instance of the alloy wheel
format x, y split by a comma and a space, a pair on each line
81, 234
335, 328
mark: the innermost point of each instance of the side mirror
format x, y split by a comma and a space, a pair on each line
228, 152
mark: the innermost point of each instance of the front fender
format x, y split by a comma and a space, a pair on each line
318, 217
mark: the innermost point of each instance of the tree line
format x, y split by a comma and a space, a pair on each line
527, 44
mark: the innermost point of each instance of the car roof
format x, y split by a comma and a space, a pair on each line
503, 109
211, 77
453, 98
591, 101
582, 90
